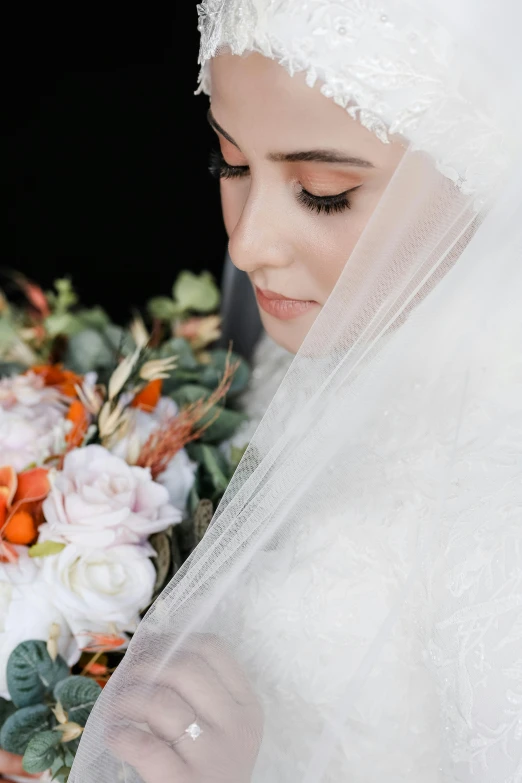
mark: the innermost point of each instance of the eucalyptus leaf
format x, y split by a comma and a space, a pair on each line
212, 373
224, 421
196, 292
32, 674
41, 752
88, 350
236, 455
23, 725
118, 340
224, 426
163, 308
213, 462
77, 696
57, 763
179, 347
62, 775
190, 393
7, 708
93, 318
62, 323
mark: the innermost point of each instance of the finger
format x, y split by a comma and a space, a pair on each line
12, 765
195, 682
217, 655
200, 687
167, 714
154, 761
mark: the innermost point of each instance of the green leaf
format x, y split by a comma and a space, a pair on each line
213, 462
7, 708
32, 674
236, 455
62, 774
224, 426
41, 752
93, 318
88, 350
179, 348
196, 292
62, 323
57, 763
163, 308
211, 374
189, 393
77, 696
23, 725
46, 548
65, 296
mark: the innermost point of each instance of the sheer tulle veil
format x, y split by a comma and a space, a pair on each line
400, 415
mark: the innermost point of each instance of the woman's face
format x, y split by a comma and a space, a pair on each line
299, 181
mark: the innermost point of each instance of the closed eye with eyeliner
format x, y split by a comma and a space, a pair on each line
328, 204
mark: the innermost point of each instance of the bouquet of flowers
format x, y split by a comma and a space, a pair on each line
113, 454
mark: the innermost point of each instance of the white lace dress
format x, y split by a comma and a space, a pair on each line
444, 701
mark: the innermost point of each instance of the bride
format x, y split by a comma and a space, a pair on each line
354, 613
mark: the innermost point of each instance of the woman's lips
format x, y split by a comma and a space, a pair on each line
280, 306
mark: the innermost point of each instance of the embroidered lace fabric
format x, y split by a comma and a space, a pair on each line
445, 703
391, 68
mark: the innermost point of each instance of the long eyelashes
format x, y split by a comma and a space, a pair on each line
220, 169
327, 205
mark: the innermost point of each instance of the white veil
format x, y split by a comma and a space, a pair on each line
396, 437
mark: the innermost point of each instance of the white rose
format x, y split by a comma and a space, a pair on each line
97, 500
27, 612
178, 478
32, 421
99, 588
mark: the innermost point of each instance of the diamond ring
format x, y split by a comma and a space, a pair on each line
193, 732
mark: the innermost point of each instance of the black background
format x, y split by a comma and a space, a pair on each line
108, 152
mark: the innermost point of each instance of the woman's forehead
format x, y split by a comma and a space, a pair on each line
266, 110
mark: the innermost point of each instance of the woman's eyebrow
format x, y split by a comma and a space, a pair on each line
308, 156
320, 156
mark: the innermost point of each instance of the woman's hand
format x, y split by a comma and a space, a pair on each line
202, 686
12, 765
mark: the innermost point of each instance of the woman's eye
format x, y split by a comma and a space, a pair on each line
220, 169
325, 204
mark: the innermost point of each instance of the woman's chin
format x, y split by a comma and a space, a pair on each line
289, 334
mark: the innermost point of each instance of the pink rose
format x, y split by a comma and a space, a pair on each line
32, 421
97, 500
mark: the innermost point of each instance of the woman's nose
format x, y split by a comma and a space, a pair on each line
260, 238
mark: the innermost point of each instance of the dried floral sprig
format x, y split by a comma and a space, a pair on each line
158, 369
139, 332
164, 443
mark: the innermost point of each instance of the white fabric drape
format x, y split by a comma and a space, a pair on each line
364, 569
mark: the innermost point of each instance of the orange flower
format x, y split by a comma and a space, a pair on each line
78, 415
102, 642
54, 375
21, 498
148, 397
